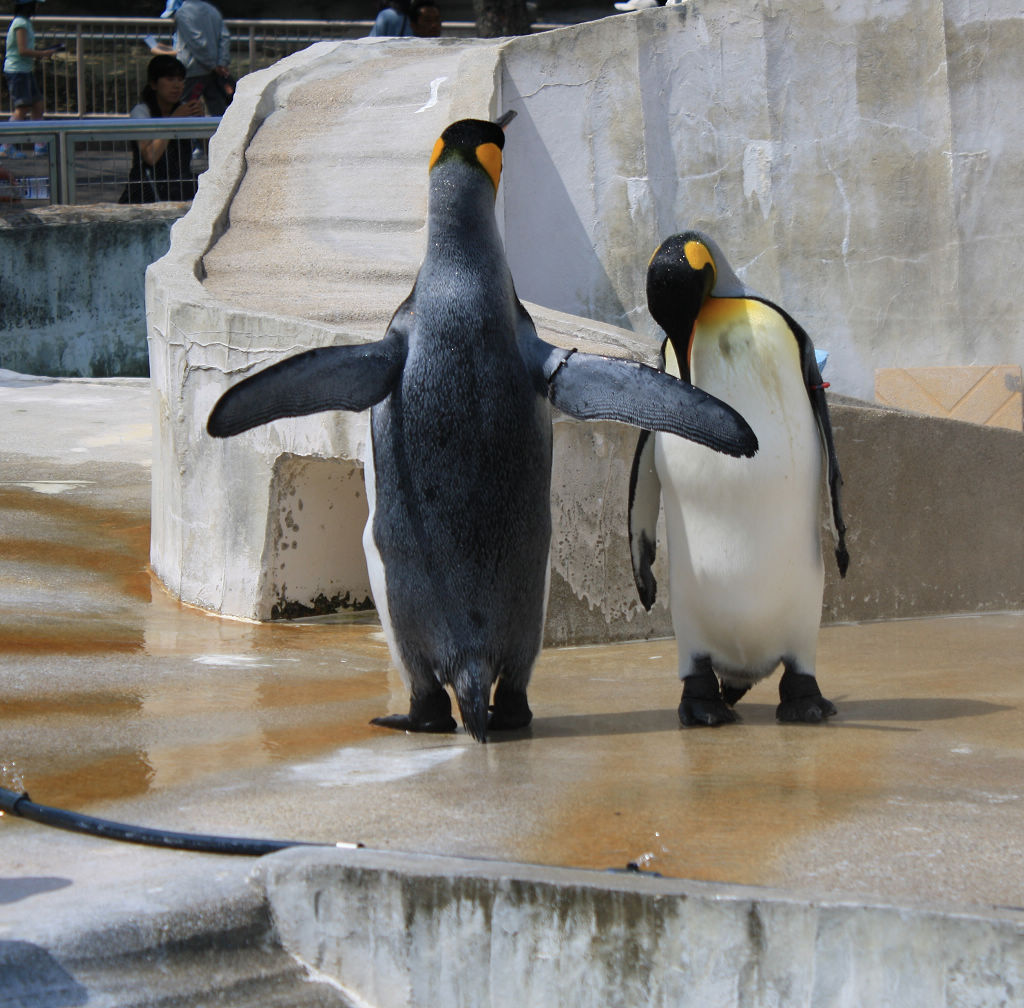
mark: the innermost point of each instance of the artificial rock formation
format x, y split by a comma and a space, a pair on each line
851, 160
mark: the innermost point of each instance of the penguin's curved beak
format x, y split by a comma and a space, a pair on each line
504, 120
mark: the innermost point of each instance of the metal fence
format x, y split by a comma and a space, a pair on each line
102, 70
87, 161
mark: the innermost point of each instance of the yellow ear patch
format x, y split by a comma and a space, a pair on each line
489, 155
698, 256
438, 148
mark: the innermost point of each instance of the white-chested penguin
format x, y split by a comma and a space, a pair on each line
459, 465
745, 568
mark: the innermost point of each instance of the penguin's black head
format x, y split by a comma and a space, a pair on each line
680, 277
474, 141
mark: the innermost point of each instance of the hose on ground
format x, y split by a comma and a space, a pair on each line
13, 803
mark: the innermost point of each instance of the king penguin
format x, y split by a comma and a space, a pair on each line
458, 467
746, 575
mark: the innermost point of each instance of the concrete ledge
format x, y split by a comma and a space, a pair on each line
141, 939
935, 512
414, 930
74, 287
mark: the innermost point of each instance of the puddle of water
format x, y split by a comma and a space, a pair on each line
350, 765
132, 694
49, 487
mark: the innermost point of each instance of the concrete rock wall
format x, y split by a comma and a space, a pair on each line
72, 285
827, 149
403, 931
858, 162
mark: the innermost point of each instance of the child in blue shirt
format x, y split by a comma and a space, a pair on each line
19, 66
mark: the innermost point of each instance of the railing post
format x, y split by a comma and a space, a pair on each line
65, 170
79, 68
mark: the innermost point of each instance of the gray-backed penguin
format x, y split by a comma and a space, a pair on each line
459, 463
745, 568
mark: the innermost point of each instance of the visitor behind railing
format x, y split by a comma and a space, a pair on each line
162, 167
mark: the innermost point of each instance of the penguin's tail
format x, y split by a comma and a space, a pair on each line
472, 684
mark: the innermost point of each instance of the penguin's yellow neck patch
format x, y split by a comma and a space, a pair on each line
698, 256
489, 155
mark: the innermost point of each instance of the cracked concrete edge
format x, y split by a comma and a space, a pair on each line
408, 930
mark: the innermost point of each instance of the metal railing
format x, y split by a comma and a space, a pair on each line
86, 161
102, 71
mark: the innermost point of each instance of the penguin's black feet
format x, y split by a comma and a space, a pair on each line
510, 711
431, 712
702, 702
733, 694
800, 700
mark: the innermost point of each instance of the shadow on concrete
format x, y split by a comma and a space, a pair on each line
594, 725
916, 709
14, 889
534, 186
863, 714
31, 978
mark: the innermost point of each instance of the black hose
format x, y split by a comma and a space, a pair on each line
21, 805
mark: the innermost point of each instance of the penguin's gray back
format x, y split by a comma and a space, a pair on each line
462, 469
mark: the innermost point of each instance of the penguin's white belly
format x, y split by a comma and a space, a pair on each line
746, 573
375, 564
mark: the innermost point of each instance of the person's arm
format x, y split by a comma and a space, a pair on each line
223, 51
153, 150
23, 50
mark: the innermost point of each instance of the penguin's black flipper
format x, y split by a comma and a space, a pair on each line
816, 393
591, 387
644, 501
330, 378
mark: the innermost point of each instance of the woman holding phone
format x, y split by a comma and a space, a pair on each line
162, 169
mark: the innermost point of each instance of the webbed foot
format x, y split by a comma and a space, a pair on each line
429, 713
702, 702
800, 699
510, 710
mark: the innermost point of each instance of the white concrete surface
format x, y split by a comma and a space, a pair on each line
859, 164
870, 861
400, 931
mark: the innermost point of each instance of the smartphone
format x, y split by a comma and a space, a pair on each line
149, 41
59, 47
194, 93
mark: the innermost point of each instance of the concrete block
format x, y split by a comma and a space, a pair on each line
73, 288
993, 396
403, 931
308, 230
270, 523
935, 510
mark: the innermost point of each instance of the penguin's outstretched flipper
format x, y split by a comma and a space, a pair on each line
591, 387
330, 378
644, 503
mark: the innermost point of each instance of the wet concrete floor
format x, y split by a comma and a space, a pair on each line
118, 701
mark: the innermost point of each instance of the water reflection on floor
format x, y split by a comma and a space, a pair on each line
116, 699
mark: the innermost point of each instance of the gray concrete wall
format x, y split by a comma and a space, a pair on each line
403, 931
935, 510
859, 163
72, 286
817, 143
